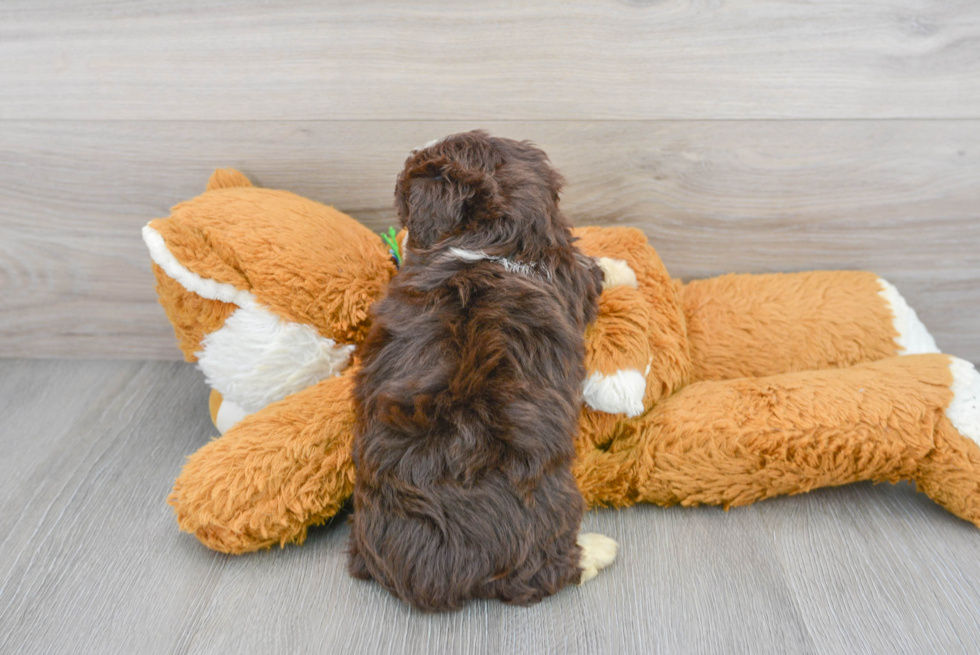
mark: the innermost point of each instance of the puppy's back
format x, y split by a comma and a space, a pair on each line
468, 400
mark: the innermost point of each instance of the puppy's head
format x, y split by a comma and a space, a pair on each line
480, 191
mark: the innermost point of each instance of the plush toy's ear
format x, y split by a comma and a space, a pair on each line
437, 196
227, 178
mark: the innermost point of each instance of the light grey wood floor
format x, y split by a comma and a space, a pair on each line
93, 562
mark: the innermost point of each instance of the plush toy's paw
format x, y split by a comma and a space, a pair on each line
950, 472
618, 393
913, 337
598, 552
273, 474
964, 410
616, 272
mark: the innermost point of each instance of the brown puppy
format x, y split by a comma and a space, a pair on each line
470, 387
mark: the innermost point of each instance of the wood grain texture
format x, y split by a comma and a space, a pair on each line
391, 60
88, 565
889, 540
897, 197
93, 561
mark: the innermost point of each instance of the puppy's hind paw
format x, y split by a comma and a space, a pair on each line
598, 552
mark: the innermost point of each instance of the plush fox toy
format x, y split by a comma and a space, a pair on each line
721, 391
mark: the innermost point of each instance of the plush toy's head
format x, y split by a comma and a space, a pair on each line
269, 292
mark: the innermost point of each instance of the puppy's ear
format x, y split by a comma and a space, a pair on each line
438, 197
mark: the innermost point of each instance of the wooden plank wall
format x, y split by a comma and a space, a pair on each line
739, 135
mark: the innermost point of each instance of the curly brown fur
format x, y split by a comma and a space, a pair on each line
469, 389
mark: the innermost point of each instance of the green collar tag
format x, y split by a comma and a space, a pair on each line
393, 247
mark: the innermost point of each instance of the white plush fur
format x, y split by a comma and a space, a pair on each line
228, 415
616, 272
210, 289
257, 358
964, 410
598, 552
619, 393
913, 337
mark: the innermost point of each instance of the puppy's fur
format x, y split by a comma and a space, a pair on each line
469, 390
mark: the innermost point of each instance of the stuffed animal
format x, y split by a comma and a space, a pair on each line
722, 391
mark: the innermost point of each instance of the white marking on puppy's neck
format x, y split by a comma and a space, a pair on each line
511, 266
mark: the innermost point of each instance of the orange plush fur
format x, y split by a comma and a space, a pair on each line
751, 386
